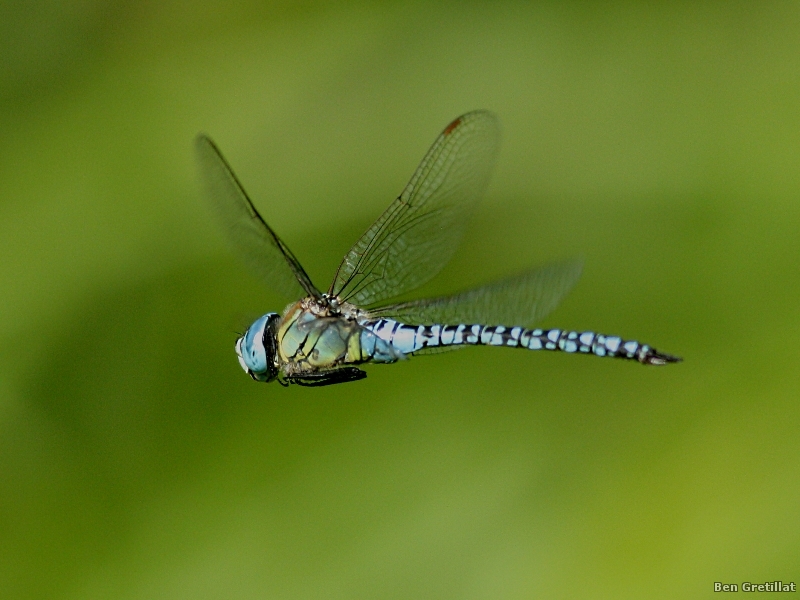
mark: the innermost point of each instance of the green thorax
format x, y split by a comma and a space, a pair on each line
310, 338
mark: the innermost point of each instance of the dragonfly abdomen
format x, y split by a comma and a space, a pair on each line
413, 338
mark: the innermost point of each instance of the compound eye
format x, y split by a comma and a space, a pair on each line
254, 354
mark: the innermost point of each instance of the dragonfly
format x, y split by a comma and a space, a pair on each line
324, 337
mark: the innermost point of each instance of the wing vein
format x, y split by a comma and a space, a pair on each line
266, 254
417, 234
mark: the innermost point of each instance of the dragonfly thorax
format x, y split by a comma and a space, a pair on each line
331, 301
328, 305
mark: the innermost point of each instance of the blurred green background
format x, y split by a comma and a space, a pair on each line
658, 142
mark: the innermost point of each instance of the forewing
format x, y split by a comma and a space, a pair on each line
247, 231
521, 300
416, 236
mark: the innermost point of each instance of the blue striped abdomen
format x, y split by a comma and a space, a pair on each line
414, 338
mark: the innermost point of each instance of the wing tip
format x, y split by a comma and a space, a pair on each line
453, 124
202, 140
480, 113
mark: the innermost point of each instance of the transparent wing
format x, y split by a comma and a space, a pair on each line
248, 233
521, 300
416, 236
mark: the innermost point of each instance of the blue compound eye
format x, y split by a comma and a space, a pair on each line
253, 353
238, 348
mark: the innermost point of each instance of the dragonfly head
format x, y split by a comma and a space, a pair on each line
257, 348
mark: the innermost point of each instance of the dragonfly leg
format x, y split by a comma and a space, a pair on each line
342, 375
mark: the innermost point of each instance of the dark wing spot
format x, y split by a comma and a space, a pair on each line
449, 129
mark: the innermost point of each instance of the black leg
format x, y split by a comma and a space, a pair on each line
342, 375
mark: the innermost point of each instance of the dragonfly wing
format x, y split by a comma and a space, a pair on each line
416, 236
521, 300
247, 231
